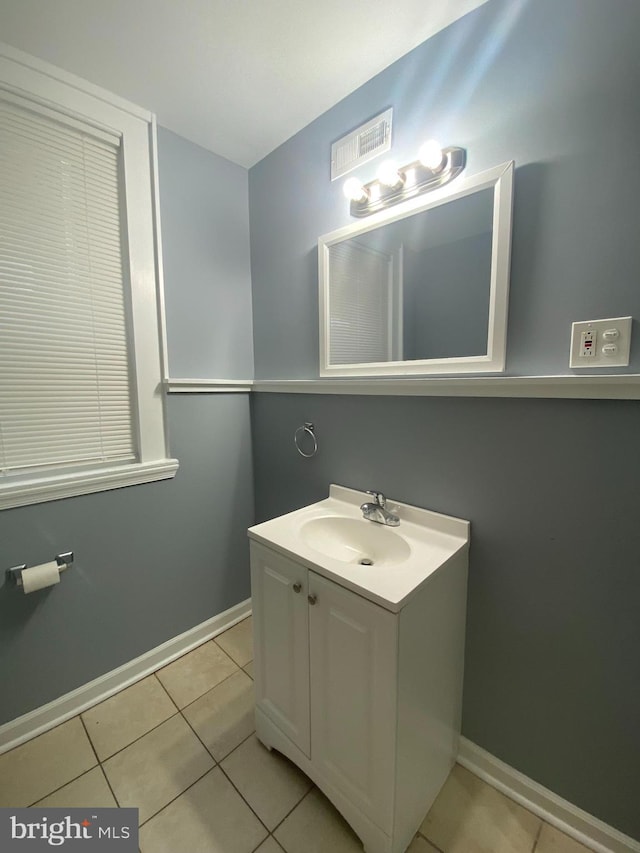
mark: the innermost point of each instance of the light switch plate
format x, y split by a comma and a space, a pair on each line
611, 344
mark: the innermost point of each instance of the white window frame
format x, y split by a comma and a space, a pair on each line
65, 93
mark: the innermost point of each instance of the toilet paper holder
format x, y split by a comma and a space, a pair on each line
64, 561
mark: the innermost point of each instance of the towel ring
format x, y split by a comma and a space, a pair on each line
308, 429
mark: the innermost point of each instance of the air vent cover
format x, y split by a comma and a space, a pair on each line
361, 145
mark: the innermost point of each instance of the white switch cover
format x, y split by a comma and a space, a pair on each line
601, 343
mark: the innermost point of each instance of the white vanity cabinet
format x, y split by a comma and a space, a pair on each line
360, 688
281, 640
325, 666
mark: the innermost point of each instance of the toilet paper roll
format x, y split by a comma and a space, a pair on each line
39, 577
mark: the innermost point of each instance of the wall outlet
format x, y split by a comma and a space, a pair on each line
588, 339
601, 343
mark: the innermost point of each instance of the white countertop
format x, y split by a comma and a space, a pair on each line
432, 540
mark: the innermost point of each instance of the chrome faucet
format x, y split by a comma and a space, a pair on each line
376, 511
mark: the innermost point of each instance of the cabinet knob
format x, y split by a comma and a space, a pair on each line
297, 587
311, 598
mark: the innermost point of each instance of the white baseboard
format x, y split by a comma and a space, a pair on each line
47, 716
566, 817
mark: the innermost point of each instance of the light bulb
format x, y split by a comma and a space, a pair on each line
409, 177
354, 190
388, 174
431, 155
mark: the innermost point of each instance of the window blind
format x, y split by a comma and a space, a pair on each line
359, 296
65, 384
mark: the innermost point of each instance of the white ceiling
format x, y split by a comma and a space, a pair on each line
238, 77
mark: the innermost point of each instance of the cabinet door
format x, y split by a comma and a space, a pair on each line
353, 645
281, 642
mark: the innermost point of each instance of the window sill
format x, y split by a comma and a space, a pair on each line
50, 488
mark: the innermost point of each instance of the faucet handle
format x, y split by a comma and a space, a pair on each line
378, 498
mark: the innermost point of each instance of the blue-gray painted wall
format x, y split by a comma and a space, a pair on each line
550, 84
204, 205
446, 298
552, 669
152, 560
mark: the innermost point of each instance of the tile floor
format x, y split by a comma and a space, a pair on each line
179, 745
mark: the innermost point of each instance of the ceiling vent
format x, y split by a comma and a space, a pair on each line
361, 145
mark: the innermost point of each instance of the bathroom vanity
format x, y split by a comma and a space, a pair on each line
359, 647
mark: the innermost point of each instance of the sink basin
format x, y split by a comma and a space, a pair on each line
354, 540
385, 564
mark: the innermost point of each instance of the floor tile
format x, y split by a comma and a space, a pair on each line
42, 765
196, 672
224, 716
208, 818
270, 783
421, 845
551, 840
155, 769
270, 846
238, 642
315, 826
249, 668
89, 791
470, 816
118, 721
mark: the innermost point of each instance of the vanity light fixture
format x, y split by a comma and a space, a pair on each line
434, 167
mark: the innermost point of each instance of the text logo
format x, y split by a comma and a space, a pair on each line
34, 829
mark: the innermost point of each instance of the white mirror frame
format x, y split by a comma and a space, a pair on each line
500, 178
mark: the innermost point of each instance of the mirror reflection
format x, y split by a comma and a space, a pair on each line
414, 289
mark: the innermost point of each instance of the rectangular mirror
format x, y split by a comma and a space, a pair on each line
422, 287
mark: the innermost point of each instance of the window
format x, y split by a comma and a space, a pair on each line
81, 405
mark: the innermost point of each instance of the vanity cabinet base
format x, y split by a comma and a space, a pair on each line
382, 755
374, 840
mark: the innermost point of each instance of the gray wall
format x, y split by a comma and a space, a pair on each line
551, 84
551, 487
204, 206
446, 299
152, 560
552, 673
